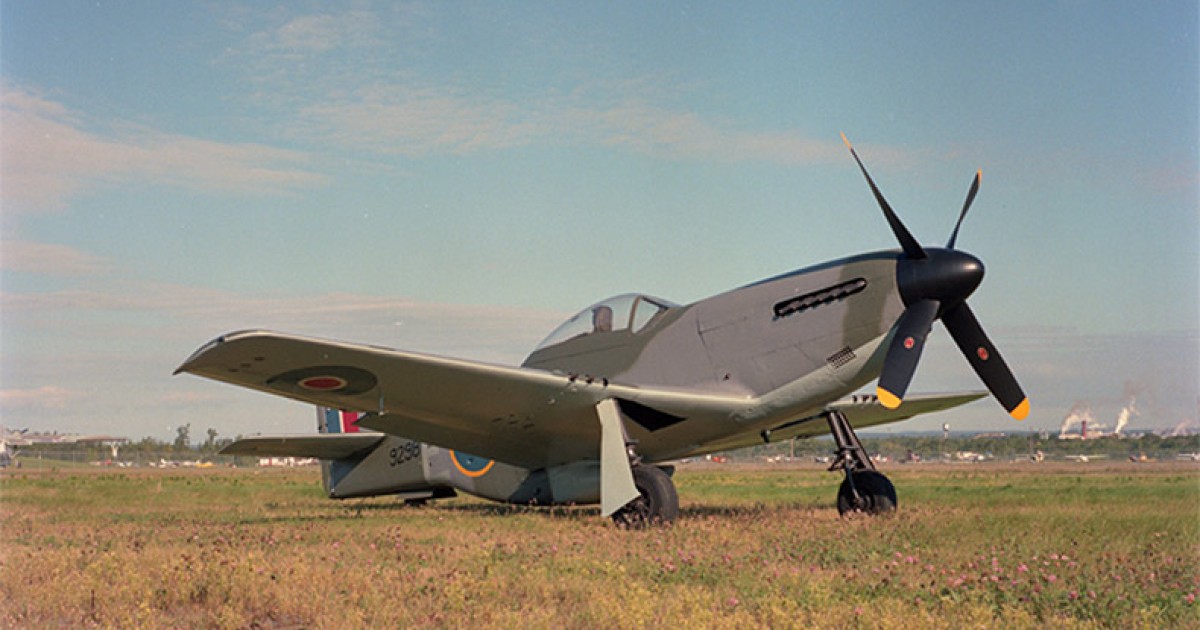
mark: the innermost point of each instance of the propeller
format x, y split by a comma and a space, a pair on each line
934, 283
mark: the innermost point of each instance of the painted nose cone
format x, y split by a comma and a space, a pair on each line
946, 275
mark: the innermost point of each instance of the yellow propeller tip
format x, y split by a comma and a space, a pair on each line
886, 398
1021, 411
844, 139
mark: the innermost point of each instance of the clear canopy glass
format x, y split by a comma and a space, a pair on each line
631, 312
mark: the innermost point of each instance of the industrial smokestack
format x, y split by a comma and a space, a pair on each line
1079, 413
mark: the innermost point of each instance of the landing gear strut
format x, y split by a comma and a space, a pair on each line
657, 503
864, 489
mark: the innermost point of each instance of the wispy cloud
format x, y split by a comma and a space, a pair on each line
646, 127
319, 33
191, 313
48, 397
417, 121
49, 156
74, 356
407, 121
49, 259
346, 80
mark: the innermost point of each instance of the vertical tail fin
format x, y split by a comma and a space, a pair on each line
335, 421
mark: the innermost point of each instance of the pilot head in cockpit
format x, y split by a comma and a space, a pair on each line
602, 319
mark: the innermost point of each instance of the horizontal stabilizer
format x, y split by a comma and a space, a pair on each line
324, 446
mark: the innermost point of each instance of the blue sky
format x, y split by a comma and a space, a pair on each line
458, 177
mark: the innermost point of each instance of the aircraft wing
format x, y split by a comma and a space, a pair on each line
521, 416
868, 412
322, 446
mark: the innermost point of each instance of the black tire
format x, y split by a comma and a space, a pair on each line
876, 494
658, 503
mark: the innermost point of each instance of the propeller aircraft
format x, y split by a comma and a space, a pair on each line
600, 409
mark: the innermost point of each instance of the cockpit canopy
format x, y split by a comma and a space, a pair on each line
630, 311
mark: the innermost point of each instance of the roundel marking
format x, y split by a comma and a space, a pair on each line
342, 380
909, 342
322, 383
982, 353
470, 465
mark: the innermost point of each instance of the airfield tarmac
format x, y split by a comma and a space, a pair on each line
1097, 544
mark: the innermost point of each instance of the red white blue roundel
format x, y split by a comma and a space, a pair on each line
342, 380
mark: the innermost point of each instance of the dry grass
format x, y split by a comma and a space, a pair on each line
1116, 545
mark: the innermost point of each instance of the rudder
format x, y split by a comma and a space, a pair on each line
335, 421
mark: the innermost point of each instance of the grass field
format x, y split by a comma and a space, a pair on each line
1068, 545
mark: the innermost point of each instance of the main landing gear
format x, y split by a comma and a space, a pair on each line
657, 503
864, 489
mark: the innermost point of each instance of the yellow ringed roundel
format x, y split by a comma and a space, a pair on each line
470, 465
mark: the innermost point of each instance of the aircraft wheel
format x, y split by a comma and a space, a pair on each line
657, 504
876, 494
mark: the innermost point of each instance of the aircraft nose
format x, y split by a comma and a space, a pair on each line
946, 275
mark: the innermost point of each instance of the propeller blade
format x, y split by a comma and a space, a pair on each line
911, 247
905, 351
986, 360
966, 206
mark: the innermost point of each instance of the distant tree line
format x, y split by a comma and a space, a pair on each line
144, 451
929, 447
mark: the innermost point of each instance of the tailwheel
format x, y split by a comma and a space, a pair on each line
657, 503
866, 491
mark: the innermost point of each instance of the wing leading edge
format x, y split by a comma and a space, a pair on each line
860, 411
